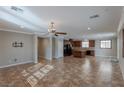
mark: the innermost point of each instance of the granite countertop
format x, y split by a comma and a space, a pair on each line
82, 49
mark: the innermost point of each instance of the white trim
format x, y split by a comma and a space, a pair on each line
105, 56
39, 34
45, 58
50, 59
35, 41
17, 64
29, 33
58, 57
41, 57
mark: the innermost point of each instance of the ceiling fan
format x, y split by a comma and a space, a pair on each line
52, 29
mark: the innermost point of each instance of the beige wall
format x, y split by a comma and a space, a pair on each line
120, 42
57, 47
106, 52
60, 48
45, 48
49, 48
120, 51
8, 54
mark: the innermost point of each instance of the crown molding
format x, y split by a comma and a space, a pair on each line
15, 31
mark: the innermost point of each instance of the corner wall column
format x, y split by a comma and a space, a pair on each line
35, 41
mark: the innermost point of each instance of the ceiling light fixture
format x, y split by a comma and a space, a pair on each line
51, 27
89, 28
52, 30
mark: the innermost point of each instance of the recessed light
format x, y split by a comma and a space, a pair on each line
89, 28
21, 26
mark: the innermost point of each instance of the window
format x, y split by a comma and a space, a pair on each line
85, 44
106, 44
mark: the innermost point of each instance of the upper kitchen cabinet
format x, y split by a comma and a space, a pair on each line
91, 43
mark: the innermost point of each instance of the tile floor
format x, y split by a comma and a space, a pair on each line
68, 72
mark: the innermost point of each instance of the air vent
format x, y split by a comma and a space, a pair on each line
16, 9
94, 16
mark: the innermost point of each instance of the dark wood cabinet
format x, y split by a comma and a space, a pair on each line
77, 43
90, 53
91, 43
79, 54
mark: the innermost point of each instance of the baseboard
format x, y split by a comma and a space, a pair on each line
45, 58
41, 57
16, 64
57, 57
105, 56
49, 58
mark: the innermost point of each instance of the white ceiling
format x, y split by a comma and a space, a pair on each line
71, 19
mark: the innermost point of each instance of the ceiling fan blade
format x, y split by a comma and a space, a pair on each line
61, 33
56, 35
